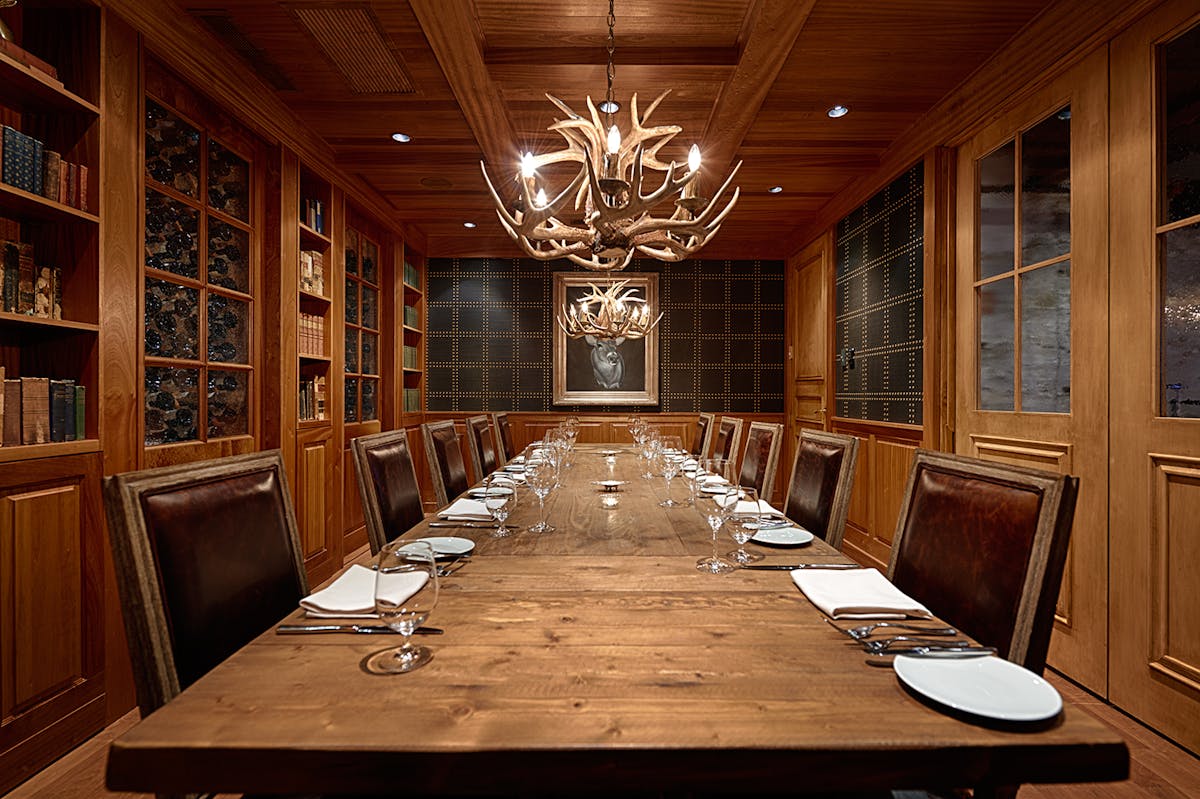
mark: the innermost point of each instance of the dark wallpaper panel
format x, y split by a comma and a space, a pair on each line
489, 336
880, 258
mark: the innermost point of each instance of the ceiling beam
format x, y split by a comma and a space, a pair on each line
457, 42
767, 39
622, 56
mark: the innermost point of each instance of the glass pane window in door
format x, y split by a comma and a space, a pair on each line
370, 308
1179, 331
370, 353
351, 351
351, 397
228, 256
228, 329
996, 355
172, 150
369, 411
1180, 75
172, 405
351, 301
1046, 339
172, 228
370, 258
1046, 189
997, 211
228, 181
227, 403
172, 320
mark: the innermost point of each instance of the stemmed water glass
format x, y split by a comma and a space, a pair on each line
406, 592
745, 522
716, 500
648, 446
669, 460
541, 475
500, 498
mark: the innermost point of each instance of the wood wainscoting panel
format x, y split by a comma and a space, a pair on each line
885, 456
1175, 561
318, 502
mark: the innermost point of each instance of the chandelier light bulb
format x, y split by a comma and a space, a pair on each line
527, 168
540, 201
614, 140
693, 158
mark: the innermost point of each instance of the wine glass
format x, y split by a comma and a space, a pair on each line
648, 447
541, 475
406, 592
715, 500
500, 498
668, 464
746, 519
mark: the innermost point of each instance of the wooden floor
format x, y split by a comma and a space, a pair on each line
1158, 768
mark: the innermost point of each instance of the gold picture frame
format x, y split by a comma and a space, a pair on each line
581, 376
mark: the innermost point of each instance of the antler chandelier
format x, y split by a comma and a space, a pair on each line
615, 315
603, 217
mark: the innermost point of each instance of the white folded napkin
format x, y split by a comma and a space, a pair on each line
856, 594
352, 595
764, 507
465, 510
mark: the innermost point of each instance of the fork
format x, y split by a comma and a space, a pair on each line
865, 630
884, 645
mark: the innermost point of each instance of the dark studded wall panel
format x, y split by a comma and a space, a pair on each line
880, 288
489, 336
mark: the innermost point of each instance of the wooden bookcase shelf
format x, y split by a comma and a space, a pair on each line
32, 91
56, 449
19, 202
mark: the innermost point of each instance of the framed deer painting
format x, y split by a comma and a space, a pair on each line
591, 370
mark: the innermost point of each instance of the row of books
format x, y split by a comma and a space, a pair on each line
38, 410
25, 287
312, 271
412, 400
411, 317
312, 335
312, 213
27, 164
411, 276
312, 398
410, 357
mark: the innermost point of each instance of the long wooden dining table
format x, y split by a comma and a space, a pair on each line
593, 658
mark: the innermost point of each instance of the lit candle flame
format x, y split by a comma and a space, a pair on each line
614, 140
693, 158
540, 200
527, 168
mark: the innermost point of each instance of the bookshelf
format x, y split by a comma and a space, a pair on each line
362, 362
314, 301
53, 619
413, 318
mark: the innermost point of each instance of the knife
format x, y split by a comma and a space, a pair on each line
887, 658
296, 629
469, 525
793, 566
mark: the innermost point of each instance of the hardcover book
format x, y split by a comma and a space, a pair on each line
57, 292
1, 406
62, 416
43, 292
12, 412
10, 260
35, 410
82, 203
51, 168
10, 143
80, 416
25, 278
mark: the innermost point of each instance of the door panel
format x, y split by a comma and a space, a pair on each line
1154, 660
1032, 328
808, 350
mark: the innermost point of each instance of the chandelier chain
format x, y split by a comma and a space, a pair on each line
612, 70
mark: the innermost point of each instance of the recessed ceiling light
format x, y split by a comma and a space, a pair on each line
838, 111
609, 107
469, 224
401, 137
775, 189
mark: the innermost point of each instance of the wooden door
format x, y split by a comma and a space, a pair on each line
808, 316
1154, 628
1032, 335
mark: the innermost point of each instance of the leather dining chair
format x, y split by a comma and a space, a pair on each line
705, 422
387, 485
207, 557
482, 445
446, 465
983, 546
507, 450
818, 491
729, 435
760, 460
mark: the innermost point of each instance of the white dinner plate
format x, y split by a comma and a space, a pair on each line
448, 544
991, 687
782, 536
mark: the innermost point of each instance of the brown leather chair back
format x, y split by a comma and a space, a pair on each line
207, 558
446, 465
818, 496
387, 485
729, 435
482, 444
760, 460
983, 546
704, 431
508, 450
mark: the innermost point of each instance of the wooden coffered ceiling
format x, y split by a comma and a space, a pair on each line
749, 80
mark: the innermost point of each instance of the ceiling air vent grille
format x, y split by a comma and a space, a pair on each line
353, 41
222, 26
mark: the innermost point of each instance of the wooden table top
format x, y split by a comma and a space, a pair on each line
592, 658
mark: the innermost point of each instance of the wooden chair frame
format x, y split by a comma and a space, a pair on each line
735, 436
499, 424
709, 430
151, 653
769, 473
835, 529
376, 534
435, 470
1035, 614
474, 444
